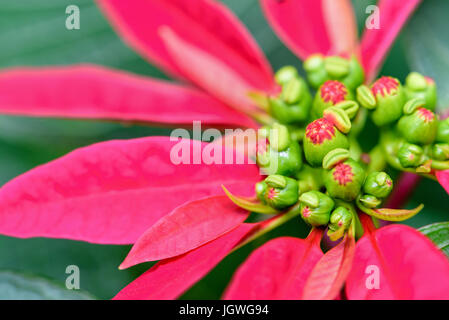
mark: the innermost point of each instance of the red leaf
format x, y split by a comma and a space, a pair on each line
277, 270
341, 26
376, 43
409, 266
309, 27
330, 272
95, 92
209, 72
443, 179
169, 278
206, 24
185, 228
112, 192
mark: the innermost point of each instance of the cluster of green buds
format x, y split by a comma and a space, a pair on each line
327, 181
420, 87
321, 69
292, 104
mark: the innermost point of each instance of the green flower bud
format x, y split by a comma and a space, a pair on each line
410, 155
336, 67
279, 137
418, 125
329, 94
278, 191
320, 138
345, 180
356, 75
340, 217
277, 153
366, 97
369, 201
321, 69
440, 151
315, 208
316, 73
378, 184
285, 74
350, 107
309, 179
421, 87
293, 104
339, 118
390, 99
443, 131
335, 157
293, 90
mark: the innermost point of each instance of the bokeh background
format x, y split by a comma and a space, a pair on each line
33, 33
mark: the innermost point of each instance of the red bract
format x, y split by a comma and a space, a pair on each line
202, 221
330, 272
111, 192
398, 252
121, 191
277, 270
443, 179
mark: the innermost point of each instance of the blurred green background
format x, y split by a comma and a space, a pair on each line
32, 32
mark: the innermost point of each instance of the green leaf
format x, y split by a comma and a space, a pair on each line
439, 234
98, 264
19, 286
427, 42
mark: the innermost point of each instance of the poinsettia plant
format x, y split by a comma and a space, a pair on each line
190, 216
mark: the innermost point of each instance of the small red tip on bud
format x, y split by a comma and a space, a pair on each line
343, 174
384, 86
333, 91
426, 114
320, 130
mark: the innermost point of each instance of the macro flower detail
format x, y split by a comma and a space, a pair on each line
345, 180
321, 70
329, 94
421, 87
320, 138
316, 208
308, 163
386, 98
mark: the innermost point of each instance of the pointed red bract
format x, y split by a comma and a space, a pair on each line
397, 262
95, 92
443, 179
112, 192
169, 278
206, 24
209, 72
376, 42
277, 270
185, 228
300, 24
330, 272
341, 26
